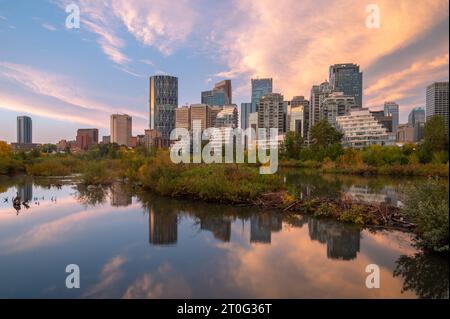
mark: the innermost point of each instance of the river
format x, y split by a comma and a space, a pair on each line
130, 245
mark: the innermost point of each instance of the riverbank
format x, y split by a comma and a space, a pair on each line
329, 167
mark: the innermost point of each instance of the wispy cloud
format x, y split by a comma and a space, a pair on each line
296, 42
157, 23
148, 62
48, 27
3, 18
126, 70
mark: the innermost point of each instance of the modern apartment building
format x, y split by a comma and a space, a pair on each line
86, 138
361, 129
183, 117
437, 101
227, 117
318, 94
385, 121
336, 104
121, 129
163, 100
271, 112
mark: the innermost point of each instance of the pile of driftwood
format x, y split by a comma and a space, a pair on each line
374, 214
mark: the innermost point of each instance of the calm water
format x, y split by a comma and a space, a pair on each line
131, 246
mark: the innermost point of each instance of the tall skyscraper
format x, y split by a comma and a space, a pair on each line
392, 109
416, 119
271, 112
348, 79
245, 113
121, 127
417, 115
220, 95
437, 101
24, 130
260, 87
163, 100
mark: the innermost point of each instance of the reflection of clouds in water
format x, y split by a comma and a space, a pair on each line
165, 282
111, 273
268, 271
57, 231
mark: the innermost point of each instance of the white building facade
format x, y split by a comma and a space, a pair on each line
361, 129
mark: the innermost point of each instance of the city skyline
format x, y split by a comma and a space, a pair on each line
104, 67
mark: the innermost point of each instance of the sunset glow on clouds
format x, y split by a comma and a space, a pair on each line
82, 76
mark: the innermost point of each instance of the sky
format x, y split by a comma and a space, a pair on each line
76, 78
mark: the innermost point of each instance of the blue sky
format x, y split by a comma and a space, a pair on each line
72, 78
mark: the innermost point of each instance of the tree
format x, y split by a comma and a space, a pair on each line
324, 134
5, 149
292, 145
435, 134
435, 139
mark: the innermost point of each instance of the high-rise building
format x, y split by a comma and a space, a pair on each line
348, 79
300, 101
416, 118
385, 121
163, 100
361, 129
417, 115
296, 119
318, 94
336, 104
212, 112
199, 113
220, 95
245, 113
24, 130
225, 87
121, 127
212, 97
183, 118
271, 112
260, 87
392, 109
437, 101
227, 117
86, 138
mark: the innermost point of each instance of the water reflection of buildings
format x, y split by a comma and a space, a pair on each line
262, 226
364, 193
119, 197
220, 226
163, 227
342, 240
25, 192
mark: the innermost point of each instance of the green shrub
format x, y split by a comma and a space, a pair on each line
427, 205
